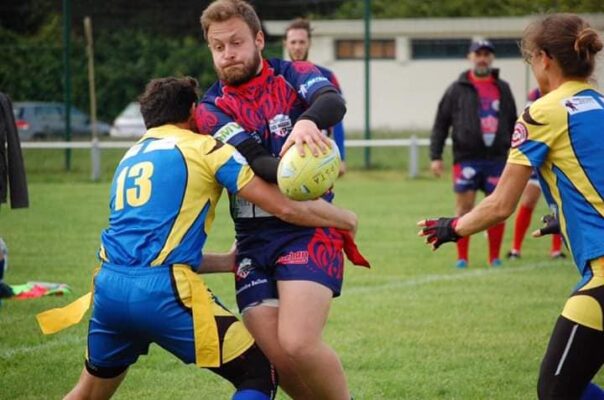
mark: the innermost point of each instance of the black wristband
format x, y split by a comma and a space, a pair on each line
266, 168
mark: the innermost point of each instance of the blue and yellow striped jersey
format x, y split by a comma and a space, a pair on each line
163, 197
562, 134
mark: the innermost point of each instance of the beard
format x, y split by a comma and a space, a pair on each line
241, 73
482, 70
294, 57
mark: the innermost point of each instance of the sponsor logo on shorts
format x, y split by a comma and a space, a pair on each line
253, 283
244, 268
520, 134
468, 172
294, 257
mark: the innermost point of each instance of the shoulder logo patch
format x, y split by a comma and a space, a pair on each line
520, 134
579, 104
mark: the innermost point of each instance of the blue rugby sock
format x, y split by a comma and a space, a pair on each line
1, 270
592, 392
250, 394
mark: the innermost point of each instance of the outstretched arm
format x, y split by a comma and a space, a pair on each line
311, 213
499, 205
494, 209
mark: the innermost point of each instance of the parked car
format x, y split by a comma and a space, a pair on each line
39, 120
129, 123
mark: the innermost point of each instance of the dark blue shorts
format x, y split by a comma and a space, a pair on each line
136, 306
313, 254
477, 175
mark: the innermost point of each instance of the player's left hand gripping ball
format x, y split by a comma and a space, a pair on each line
438, 231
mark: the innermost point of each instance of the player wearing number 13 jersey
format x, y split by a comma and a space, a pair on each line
163, 197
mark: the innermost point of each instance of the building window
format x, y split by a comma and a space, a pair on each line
422, 49
506, 47
381, 49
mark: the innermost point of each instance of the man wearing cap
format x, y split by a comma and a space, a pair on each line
480, 110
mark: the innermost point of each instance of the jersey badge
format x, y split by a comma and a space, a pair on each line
244, 268
520, 134
280, 125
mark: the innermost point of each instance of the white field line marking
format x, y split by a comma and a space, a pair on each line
460, 275
60, 341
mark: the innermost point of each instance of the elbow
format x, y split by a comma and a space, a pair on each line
340, 108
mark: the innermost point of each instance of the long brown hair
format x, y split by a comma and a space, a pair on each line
568, 39
223, 10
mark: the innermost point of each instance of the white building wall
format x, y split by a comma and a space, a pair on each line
405, 92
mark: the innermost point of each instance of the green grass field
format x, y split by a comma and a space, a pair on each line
412, 327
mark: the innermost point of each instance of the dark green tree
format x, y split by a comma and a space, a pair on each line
464, 8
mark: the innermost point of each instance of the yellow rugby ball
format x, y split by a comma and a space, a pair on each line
308, 177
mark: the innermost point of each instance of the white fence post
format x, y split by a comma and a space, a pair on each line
95, 158
413, 157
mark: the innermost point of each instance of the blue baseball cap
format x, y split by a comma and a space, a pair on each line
482, 44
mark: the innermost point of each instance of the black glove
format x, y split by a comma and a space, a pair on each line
439, 231
552, 226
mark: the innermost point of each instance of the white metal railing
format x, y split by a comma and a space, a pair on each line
76, 145
96, 146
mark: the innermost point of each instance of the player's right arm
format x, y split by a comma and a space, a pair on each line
232, 173
312, 213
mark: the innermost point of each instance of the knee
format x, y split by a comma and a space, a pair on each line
298, 347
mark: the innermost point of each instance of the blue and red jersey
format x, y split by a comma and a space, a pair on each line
266, 107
